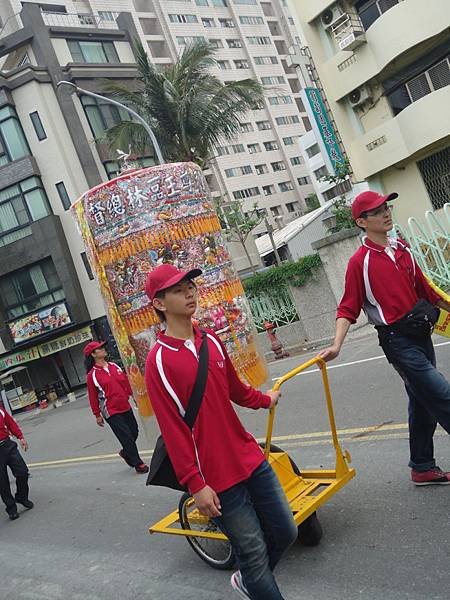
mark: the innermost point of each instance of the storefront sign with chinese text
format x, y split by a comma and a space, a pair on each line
66, 341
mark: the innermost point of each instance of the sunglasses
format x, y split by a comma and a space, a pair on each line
378, 212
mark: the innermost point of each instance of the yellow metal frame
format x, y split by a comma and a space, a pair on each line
305, 492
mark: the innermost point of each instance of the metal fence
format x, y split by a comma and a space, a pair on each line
430, 244
277, 308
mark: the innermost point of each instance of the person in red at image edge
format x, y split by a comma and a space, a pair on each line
385, 281
219, 461
10, 457
109, 392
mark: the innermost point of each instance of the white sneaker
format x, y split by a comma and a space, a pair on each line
238, 586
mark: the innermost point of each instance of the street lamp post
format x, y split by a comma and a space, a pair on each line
138, 118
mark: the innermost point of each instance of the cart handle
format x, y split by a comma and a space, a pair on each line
317, 360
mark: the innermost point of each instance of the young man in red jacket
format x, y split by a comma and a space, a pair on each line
10, 457
219, 461
109, 391
385, 281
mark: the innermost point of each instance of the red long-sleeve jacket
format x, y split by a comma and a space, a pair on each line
8, 426
218, 452
109, 390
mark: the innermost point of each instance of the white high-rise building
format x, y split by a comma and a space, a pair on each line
252, 39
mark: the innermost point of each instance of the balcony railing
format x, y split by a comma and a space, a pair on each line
54, 19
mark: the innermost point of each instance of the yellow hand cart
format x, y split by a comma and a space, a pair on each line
306, 490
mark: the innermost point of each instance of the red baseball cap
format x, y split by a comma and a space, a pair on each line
89, 348
165, 276
369, 200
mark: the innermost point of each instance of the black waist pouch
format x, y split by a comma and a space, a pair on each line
419, 322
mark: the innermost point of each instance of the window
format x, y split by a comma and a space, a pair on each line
87, 266
292, 206
234, 43
237, 148
286, 186
263, 125
63, 195
312, 150
296, 160
219, 3
290, 140
13, 144
275, 210
227, 23
246, 193
321, 172
268, 190
273, 80
101, 115
251, 20
270, 145
338, 190
266, 60
306, 124
207, 22
106, 15
371, 10
303, 180
112, 167
241, 64
31, 288
261, 169
274, 100
259, 40
38, 127
246, 127
236, 171
291, 21
20, 205
433, 79
183, 18
216, 43
287, 120
252, 2
186, 40
254, 148
435, 171
278, 166
93, 52
201, 2
224, 65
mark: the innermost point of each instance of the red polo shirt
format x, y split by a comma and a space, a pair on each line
385, 282
108, 390
8, 427
218, 452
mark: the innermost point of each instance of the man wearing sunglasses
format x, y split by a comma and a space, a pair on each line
384, 280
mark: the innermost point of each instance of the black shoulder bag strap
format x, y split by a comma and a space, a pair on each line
161, 471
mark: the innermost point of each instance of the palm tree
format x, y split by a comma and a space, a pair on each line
189, 109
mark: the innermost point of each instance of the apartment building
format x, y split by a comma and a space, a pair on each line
252, 39
384, 69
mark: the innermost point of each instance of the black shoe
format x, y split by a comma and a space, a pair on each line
27, 503
14, 516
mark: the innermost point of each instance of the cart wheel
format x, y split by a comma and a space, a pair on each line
274, 448
217, 553
310, 531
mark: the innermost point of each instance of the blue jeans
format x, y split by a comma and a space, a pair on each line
258, 521
428, 392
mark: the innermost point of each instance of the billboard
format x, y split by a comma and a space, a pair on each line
324, 127
39, 322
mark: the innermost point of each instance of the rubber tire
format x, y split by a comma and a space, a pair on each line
310, 531
225, 565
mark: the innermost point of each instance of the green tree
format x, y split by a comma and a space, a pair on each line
189, 109
237, 224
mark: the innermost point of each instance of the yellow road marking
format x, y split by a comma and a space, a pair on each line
308, 437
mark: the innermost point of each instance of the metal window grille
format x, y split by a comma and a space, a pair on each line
435, 171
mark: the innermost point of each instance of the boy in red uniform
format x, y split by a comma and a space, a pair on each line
109, 391
10, 457
385, 281
219, 461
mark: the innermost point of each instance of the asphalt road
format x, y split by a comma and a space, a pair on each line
87, 536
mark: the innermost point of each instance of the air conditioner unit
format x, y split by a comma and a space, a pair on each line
359, 96
330, 15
